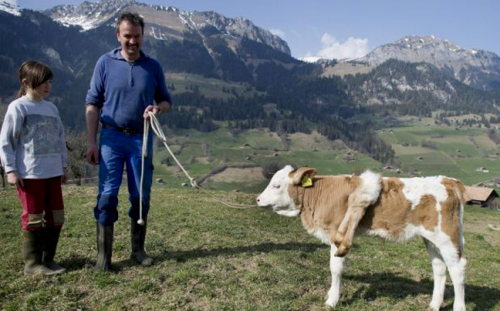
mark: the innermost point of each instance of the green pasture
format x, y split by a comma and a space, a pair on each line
209, 87
203, 152
421, 147
210, 257
435, 150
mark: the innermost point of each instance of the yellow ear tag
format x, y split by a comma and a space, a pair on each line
307, 181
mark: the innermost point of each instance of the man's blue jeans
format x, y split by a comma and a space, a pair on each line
118, 150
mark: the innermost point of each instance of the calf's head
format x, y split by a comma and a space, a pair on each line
277, 193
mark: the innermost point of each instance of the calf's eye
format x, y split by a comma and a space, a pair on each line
276, 186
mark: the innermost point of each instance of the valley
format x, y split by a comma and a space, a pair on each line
422, 148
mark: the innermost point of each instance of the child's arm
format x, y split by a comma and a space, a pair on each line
14, 179
9, 138
64, 177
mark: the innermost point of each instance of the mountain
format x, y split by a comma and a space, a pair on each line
416, 89
477, 68
166, 22
221, 69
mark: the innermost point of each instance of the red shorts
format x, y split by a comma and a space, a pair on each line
42, 203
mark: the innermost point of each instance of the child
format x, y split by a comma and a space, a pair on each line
33, 152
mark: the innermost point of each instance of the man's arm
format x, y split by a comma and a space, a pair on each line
92, 114
163, 107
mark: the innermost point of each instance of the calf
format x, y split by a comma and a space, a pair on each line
396, 209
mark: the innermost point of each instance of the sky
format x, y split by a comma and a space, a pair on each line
349, 28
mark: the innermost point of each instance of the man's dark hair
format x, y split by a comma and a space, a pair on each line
133, 18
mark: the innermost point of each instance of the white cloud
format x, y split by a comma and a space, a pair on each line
334, 49
278, 32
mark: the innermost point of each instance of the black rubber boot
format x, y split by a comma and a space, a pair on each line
33, 243
138, 236
104, 248
51, 239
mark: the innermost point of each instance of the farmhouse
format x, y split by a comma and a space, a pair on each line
481, 196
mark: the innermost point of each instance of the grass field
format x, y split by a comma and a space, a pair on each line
420, 146
211, 257
202, 152
437, 150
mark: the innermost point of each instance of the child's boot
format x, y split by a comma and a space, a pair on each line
51, 239
32, 253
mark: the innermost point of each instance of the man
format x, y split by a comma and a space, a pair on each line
123, 89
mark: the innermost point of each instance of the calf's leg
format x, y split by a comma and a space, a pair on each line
439, 271
456, 267
336, 267
344, 237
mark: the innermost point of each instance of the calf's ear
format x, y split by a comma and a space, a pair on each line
299, 173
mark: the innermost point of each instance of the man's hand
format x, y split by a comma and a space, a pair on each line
161, 108
92, 154
14, 179
154, 109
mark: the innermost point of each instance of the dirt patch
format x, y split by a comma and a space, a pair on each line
238, 175
203, 160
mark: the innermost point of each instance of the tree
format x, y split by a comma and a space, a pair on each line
76, 143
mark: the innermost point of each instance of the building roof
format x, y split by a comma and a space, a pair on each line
479, 193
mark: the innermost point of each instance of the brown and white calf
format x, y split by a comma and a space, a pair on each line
396, 209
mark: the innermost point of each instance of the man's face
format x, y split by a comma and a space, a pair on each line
130, 38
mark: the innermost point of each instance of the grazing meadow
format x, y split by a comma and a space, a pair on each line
213, 257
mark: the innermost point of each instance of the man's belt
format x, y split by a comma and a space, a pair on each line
125, 130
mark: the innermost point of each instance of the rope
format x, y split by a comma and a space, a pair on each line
156, 127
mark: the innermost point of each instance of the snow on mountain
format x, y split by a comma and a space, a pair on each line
88, 15
163, 22
10, 6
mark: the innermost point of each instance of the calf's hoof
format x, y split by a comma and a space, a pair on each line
434, 306
331, 302
342, 250
338, 239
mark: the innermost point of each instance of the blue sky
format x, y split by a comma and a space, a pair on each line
350, 28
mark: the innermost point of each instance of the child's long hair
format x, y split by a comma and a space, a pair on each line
35, 73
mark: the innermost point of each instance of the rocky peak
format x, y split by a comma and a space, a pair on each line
467, 65
10, 6
242, 27
90, 15
429, 49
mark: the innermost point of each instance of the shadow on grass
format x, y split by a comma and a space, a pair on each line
182, 256
76, 262
393, 286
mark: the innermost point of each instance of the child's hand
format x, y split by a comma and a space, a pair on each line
64, 177
14, 179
